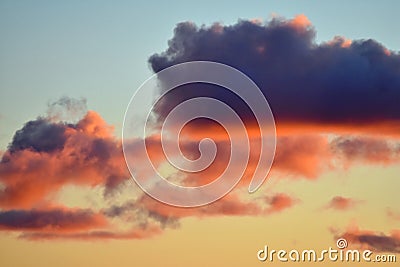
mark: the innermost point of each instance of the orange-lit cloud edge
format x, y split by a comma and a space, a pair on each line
92, 156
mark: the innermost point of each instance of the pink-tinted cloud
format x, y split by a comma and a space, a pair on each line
307, 156
230, 205
301, 153
33, 170
44, 156
280, 202
367, 149
300, 21
342, 203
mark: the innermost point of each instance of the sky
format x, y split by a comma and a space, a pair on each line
68, 70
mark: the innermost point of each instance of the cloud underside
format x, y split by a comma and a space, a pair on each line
373, 240
321, 96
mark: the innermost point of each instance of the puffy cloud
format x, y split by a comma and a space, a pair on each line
316, 91
321, 94
33, 169
340, 81
46, 155
39, 135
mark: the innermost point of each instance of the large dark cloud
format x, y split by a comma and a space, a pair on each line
336, 81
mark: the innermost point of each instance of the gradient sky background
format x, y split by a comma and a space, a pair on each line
99, 51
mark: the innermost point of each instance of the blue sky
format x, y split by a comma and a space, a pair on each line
99, 49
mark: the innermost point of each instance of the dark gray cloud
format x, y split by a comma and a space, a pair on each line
135, 212
46, 219
303, 81
381, 242
377, 242
39, 135
47, 134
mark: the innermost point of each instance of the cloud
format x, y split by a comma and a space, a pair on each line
280, 202
136, 212
230, 205
94, 235
59, 220
320, 94
378, 242
303, 155
39, 135
341, 203
366, 149
67, 109
299, 154
44, 156
339, 81
72, 223
309, 155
